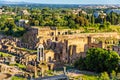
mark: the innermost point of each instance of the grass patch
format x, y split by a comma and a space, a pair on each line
21, 66
85, 77
2, 54
17, 78
25, 49
93, 29
90, 77
50, 73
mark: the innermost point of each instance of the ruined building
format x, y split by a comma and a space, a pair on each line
66, 46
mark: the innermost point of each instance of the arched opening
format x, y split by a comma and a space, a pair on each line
49, 59
49, 67
58, 33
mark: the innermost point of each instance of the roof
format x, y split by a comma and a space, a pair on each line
40, 46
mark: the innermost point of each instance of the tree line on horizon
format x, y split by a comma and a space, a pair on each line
60, 17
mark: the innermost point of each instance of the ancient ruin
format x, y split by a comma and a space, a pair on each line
51, 47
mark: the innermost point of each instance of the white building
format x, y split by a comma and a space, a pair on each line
0, 11
22, 22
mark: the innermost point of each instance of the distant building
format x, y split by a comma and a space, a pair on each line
76, 11
24, 12
79, 11
113, 10
22, 22
99, 13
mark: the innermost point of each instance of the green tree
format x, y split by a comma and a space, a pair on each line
36, 23
100, 60
92, 19
71, 23
104, 76
113, 75
10, 25
107, 24
80, 64
80, 20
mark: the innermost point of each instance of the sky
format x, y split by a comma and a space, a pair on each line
71, 1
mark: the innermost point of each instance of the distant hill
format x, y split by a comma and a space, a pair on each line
3, 2
23, 4
28, 4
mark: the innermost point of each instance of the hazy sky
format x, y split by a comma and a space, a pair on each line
71, 1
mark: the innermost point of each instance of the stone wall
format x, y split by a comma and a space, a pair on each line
37, 35
29, 39
116, 49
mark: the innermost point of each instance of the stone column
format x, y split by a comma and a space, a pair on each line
40, 53
35, 70
64, 70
